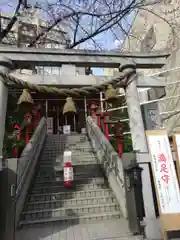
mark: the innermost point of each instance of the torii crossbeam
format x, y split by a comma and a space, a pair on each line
21, 57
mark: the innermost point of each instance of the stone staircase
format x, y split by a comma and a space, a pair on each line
90, 198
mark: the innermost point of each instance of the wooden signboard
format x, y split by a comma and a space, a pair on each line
165, 179
176, 146
50, 125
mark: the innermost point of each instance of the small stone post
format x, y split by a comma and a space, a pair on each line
141, 149
5, 66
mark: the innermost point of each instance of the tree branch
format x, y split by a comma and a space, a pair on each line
89, 18
102, 28
13, 20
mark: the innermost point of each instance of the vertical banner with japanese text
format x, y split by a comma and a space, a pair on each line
164, 174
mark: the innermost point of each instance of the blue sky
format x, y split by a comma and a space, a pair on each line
106, 41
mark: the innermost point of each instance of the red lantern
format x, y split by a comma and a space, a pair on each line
17, 127
119, 135
93, 106
106, 127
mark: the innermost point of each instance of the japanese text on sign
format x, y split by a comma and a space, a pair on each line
163, 161
164, 174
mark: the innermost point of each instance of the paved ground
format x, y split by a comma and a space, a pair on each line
104, 230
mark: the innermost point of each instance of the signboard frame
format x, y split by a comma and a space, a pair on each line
169, 221
175, 146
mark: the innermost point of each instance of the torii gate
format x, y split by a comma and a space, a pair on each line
18, 58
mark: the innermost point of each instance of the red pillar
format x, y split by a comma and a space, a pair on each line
120, 137
106, 127
17, 127
93, 106
120, 146
98, 119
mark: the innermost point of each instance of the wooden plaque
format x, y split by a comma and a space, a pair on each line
165, 179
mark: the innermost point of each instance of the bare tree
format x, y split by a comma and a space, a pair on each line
85, 20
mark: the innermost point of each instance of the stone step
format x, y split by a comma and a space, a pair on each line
81, 157
81, 147
53, 146
75, 163
60, 156
88, 218
75, 160
70, 143
60, 175
68, 202
78, 168
69, 211
70, 195
54, 189
57, 181
50, 174
81, 169
50, 153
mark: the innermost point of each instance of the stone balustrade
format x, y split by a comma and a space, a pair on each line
110, 161
27, 163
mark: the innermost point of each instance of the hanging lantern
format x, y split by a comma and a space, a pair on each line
111, 94
69, 107
25, 100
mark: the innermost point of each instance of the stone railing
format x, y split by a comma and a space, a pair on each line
110, 160
27, 163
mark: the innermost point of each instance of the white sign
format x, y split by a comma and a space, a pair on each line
68, 174
67, 156
177, 139
66, 129
164, 173
50, 125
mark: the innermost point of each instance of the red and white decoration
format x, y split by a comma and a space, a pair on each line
68, 170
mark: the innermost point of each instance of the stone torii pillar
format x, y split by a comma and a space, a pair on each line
140, 148
5, 66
